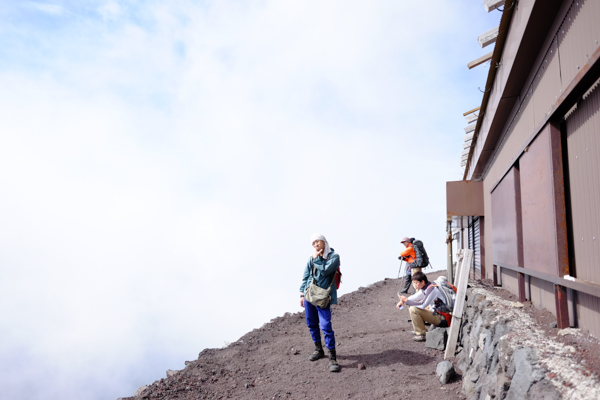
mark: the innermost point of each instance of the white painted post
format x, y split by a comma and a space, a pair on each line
455, 325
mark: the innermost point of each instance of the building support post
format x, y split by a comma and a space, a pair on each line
521, 282
449, 246
562, 306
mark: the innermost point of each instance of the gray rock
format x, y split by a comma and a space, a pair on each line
484, 305
502, 385
474, 334
445, 371
436, 339
553, 324
500, 329
544, 390
505, 352
141, 390
521, 371
488, 383
171, 372
475, 300
469, 386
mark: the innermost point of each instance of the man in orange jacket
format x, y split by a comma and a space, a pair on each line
408, 255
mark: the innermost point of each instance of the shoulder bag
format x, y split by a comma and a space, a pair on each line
316, 295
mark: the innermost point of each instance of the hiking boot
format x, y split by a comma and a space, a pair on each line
318, 353
413, 333
419, 338
333, 364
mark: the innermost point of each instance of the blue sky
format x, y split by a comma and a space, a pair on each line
158, 155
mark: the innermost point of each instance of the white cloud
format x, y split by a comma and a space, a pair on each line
110, 10
53, 9
187, 152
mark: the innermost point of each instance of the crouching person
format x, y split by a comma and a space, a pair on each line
425, 296
320, 270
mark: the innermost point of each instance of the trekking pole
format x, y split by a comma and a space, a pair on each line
403, 278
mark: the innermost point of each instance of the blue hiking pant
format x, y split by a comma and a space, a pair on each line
316, 317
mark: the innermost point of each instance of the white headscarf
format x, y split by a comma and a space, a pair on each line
318, 236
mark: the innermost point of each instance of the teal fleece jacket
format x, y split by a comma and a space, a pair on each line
326, 268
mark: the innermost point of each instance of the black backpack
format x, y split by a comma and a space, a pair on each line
422, 257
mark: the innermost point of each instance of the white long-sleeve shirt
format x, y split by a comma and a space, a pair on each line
425, 297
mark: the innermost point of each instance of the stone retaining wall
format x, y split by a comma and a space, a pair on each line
503, 354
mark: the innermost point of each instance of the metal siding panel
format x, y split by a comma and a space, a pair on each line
542, 294
546, 84
537, 202
583, 144
588, 309
510, 281
464, 198
518, 133
476, 246
504, 221
488, 237
578, 37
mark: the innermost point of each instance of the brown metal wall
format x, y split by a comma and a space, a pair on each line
557, 67
546, 84
578, 37
542, 294
588, 309
488, 239
510, 281
537, 204
504, 220
583, 145
519, 131
476, 247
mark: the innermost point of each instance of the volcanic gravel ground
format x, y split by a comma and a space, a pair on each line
272, 362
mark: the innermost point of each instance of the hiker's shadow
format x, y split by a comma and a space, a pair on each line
388, 357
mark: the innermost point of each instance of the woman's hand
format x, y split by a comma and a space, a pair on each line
302, 302
318, 253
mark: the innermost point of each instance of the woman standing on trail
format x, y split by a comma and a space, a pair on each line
321, 266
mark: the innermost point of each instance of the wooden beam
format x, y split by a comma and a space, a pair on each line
471, 111
459, 305
489, 37
468, 137
491, 5
467, 144
480, 60
470, 128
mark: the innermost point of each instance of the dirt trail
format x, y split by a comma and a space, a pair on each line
272, 362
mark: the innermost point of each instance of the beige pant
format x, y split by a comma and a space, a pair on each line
414, 269
419, 316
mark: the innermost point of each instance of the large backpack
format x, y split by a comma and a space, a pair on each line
448, 292
422, 260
